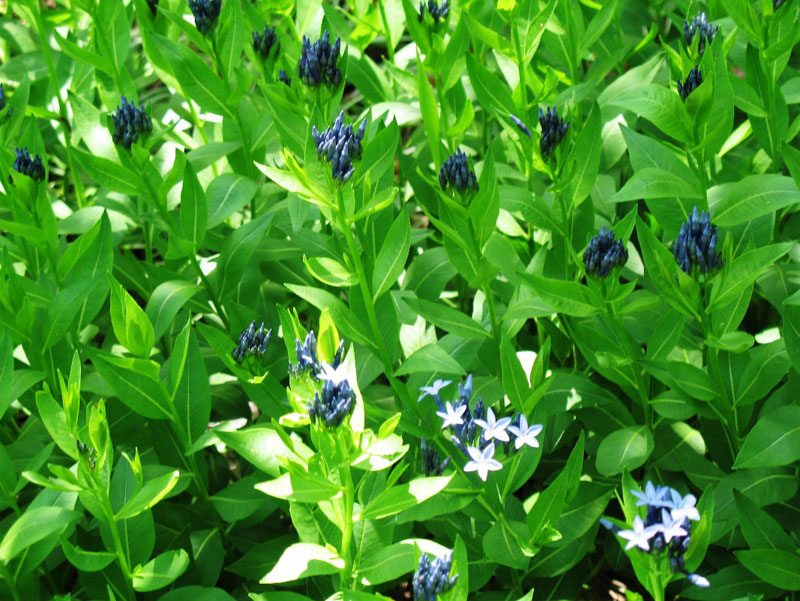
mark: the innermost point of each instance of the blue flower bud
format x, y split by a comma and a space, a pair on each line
455, 172
432, 578
252, 342
435, 10
696, 245
694, 79
698, 26
130, 123
339, 146
263, 43
206, 13
553, 130
318, 62
522, 127
604, 253
32, 167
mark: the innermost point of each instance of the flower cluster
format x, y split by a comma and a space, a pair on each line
667, 526
604, 253
433, 577
318, 62
553, 130
522, 127
436, 10
264, 42
701, 28
206, 13
252, 342
23, 163
430, 460
339, 146
456, 172
130, 123
338, 400
696, 244
284, 78
306, 356
693, 80
463, 426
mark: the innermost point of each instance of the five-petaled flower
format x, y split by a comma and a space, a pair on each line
482, 462
434, 389
525, 435
651, 495
670, 527
683, 507
639, 536
494, 428
451, 415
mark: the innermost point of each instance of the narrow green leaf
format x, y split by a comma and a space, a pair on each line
160, 571
392, 257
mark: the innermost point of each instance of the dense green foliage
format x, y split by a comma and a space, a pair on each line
362, 300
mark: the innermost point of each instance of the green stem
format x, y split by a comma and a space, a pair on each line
348, 499
386, 32
12, 583
122, 557
523, 86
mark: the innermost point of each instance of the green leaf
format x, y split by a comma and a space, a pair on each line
569, 298
403, 496
491, 92
501, 546
692, 380
515, 381
449, 319
135, 382
227, 194
302, 560
131, 325
754, 196
743, 271
767, 365
775, 566
237, 251
36, 524
196, 593
790, 329
331, 272
584, 159
430, 114
659, 105
64, 308
165, 302
301, 488
148, 495
259, 445
392, 257
655, 183
379, 154
160, 571
86, 561
194, 208
431, 359
54, 419
760, 529
6, 371
773, 441
107, 173
197, 81
233, 37
624, 449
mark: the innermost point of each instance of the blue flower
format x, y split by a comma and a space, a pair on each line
434, 389
435, 10
494, 428
692, 82
651, 496
283, 78
553, 130
604, 254
206, 13
524, 434
683, 508
336, 402
130, 123
455, 172
430, 460
697, 579
432, 578
482, 461
23, 163
252, 342
522, 127
306, 355
264, 42
639, 536
696, 245
339, 146
317, 64
452, 415
698, 26
669, 527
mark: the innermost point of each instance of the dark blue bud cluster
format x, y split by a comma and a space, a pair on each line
455, 172
318, 62
553, 130
339, 146
264, 42
130, 123
3, 101
306, 356
698, 26
284, 78
430, 460
522, 127
24, 164
432, 578
153, 6
437, 11
696, 245
604, 253
252, 342
694, 79
336, 402
206, 13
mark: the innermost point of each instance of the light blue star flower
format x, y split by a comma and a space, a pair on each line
494, 428
683, 507
669, 527
433, 389
525, 435
482, 462
639, 536
651, 496
452, 416
336, 375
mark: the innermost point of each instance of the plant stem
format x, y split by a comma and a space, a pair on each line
122, 558
347, 526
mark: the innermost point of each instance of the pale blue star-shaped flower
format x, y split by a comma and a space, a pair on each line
525, 435
494, 428
670, 527
639, 536
433, 389
698, 580
482, 462
337, 375
651, 496
452, 416
683, 507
